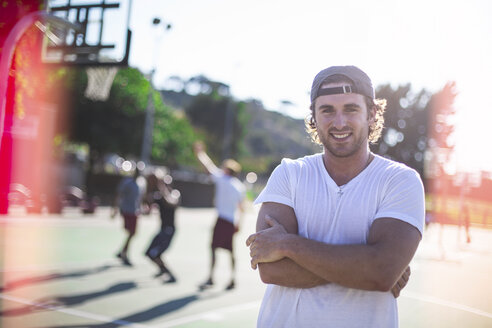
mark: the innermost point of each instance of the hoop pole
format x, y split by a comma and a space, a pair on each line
9, 49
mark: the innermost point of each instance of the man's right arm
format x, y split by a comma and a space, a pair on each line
284, 272
204, 159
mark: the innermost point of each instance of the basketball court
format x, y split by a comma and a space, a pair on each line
60, 271
66, 275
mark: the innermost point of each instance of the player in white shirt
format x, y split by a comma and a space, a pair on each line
229, 195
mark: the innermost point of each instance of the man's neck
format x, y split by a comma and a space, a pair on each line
344, 169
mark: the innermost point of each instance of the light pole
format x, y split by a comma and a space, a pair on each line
228, 129
150, 111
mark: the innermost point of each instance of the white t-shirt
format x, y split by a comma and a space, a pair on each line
229, 192
339, 215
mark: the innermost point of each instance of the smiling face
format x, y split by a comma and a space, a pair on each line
342, 122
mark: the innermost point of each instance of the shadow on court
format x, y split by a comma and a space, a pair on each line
51, 303
54, 276
149, 314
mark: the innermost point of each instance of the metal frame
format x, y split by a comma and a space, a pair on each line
78, 45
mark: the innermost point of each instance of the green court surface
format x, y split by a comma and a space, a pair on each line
61, 271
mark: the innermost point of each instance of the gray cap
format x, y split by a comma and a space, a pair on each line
361, 82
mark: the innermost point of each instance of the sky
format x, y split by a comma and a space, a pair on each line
270, 50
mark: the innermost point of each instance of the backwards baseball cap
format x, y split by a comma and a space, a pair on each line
361, 83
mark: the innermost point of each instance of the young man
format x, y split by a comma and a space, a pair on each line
128, 197
229, 195
160, 192
336, 231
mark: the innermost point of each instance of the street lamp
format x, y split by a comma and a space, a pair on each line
167, 26
149, 113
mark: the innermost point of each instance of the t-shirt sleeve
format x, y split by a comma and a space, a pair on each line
277, 189
404, 200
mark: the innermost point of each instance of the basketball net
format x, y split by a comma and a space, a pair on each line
100, 80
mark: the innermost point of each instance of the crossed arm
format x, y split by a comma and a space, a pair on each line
284, 258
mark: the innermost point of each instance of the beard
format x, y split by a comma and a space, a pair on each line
344, 149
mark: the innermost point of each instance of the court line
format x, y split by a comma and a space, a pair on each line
77, 313
210, 315
438, 301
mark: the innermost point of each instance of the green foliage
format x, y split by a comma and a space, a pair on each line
243, 118
173, 136
272, 136
130, 91
262, 165
207, 113
405, 135
117, 125
220, 120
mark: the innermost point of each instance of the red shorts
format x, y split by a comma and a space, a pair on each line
130, 222
223, 232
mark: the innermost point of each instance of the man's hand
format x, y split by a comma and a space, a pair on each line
264, 245
198, 147
401, 283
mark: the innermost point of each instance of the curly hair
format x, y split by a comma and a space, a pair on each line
375, 129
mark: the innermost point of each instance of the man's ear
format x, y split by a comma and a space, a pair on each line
312, 120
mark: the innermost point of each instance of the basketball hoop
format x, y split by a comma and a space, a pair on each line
100, 79
86, 43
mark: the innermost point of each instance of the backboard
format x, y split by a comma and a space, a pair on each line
102, 37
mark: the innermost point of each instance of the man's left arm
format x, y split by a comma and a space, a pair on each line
376, 265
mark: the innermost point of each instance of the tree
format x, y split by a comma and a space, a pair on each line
111, 126
217, 117
173, 136
405, 135
441, 127
116, 125
267, 136
441, 111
